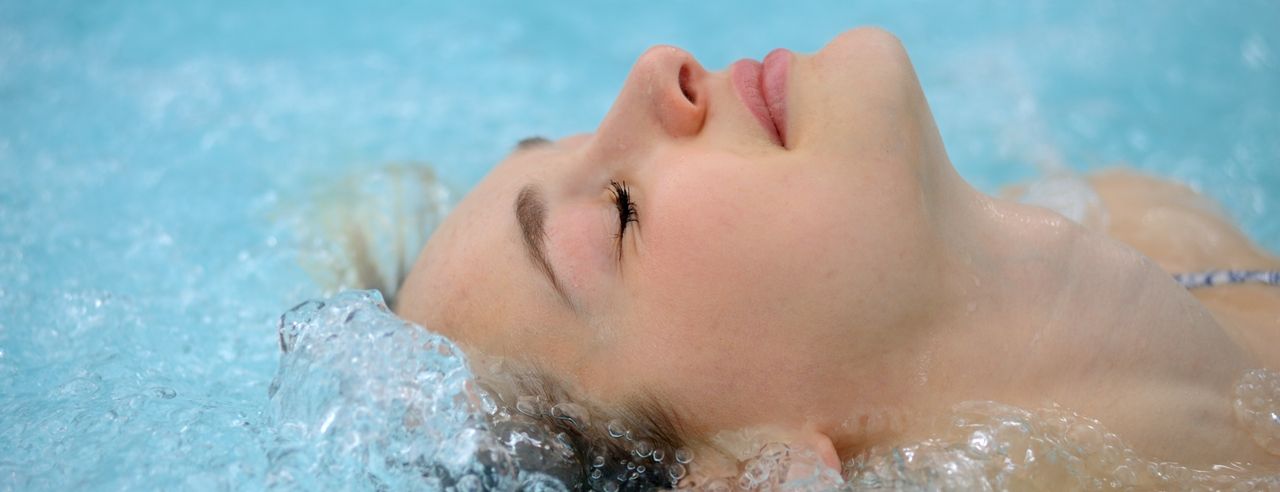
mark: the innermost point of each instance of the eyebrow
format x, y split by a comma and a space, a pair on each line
531, 142
531, 214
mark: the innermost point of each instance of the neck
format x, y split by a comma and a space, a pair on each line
1033, 310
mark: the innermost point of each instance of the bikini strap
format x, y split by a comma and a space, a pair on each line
1211, 278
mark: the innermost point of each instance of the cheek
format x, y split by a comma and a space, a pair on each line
717, 260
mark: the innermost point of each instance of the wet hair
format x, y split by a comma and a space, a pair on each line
640, 444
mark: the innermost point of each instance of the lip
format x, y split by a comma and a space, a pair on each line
762, 87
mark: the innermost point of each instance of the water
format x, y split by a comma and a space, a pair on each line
161, 167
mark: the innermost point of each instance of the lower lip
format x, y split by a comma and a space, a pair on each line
763, 90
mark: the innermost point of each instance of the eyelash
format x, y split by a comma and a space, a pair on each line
626, 210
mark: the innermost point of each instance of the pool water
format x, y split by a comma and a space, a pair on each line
161, 166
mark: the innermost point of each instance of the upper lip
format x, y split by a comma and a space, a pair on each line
773, 84
762, 89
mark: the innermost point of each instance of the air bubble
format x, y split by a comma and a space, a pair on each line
1257, 407
676, 471
658, 454
757, 472
527, 405
611, 487
597, 462
616, 429
643, 449
717, 485
596, 474
469, 483
774, 451
684, 455
572, 413
487, 404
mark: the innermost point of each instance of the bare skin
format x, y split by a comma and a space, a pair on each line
1185, 232
840, 289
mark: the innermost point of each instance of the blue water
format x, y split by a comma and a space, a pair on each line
153, 156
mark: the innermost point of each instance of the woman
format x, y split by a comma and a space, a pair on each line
784, 246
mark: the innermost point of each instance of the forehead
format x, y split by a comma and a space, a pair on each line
473, 282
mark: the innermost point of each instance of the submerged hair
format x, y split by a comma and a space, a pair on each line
638, 445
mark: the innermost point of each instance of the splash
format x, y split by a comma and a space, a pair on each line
990, 446
365, 400
1257, 407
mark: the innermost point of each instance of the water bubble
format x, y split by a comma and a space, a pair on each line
572, 413
717, 485
527, 405
640, 469
676, 471
756, 472
774, 451
596, 474
643, 449
597, 462
541, 482
980, 443
684, 455
1126, 476
1257, 407
487, 404
80, 387
469, 483
658, 454
616, 429
631, 466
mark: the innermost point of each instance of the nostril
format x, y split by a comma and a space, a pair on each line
684, 85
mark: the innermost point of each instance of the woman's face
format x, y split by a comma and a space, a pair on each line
771, 253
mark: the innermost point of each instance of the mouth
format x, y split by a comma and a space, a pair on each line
762, 87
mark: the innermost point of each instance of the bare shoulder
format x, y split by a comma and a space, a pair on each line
1184, 231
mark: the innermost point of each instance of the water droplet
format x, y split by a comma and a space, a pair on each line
616, 429
684, 455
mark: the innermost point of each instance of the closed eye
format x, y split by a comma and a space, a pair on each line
626, 210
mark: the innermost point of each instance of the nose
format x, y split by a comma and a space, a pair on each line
665, 94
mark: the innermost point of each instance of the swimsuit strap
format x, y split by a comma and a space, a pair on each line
1210, 278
